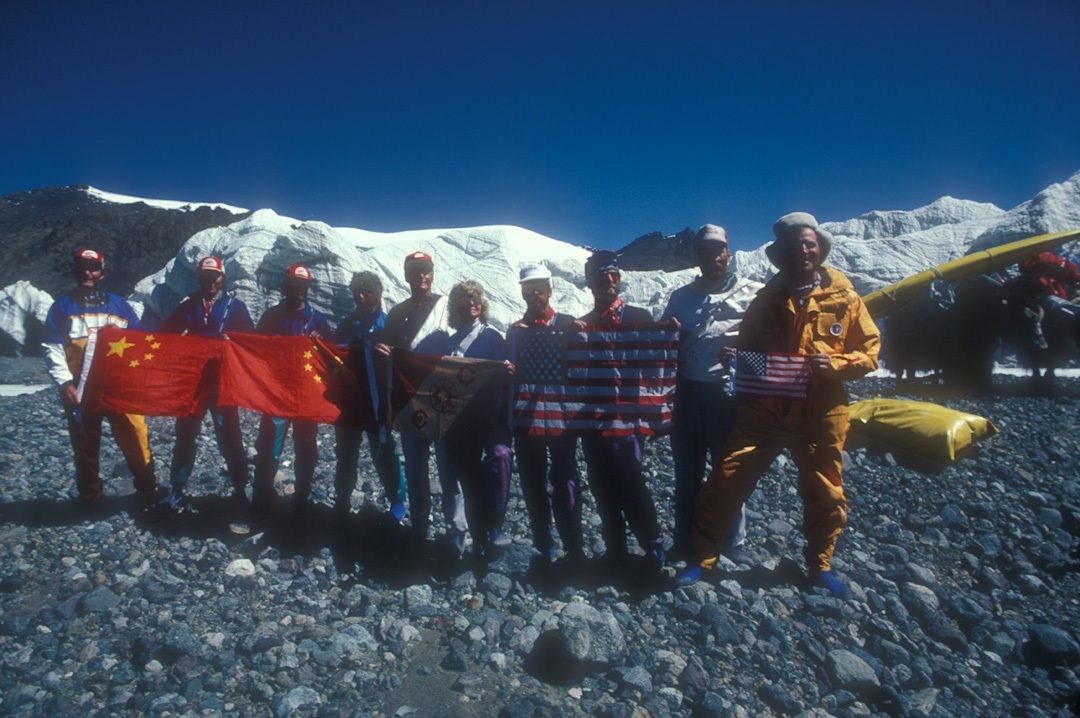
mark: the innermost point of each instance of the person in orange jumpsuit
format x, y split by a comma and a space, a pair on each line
810, 310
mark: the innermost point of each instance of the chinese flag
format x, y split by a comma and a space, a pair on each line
430, 392
300, 378
150, 374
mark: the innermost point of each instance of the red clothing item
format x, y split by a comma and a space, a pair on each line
613, 313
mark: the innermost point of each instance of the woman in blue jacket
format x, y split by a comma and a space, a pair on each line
477, 446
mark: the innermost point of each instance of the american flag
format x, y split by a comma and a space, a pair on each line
758, 374
611, 379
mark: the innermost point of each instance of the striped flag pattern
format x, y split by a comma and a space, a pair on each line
609, 379
765, 375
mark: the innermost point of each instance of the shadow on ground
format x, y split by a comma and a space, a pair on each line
368, 545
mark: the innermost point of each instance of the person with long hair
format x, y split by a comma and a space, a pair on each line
477, 446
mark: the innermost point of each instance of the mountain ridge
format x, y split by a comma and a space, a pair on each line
149, 261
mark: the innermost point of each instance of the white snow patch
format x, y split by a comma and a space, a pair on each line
162, 203
17, 389
19, 302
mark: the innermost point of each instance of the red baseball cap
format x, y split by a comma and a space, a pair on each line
212, 263
420, 257
89, 255
298, 271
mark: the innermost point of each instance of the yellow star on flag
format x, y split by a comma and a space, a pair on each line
307, 355
134, 363
155, 345
149, 337
119, 347
148, 357
318, 378
308, 367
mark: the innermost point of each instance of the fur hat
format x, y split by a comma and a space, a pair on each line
783, 227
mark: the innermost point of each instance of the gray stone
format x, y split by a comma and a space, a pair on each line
418, 597
497, 584
524, 640
455, 661
637, 677
1049, 518
294, 700
353, 643
922, 576
919, 600
1049, 646
99, 600
589, 635
851, 673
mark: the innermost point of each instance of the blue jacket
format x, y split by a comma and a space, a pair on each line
280, 321
226, 315
74, 316
359, 329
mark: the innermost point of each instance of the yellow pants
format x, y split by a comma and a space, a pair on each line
762, 430
129, 430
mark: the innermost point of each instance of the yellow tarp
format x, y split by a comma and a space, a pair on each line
928, 430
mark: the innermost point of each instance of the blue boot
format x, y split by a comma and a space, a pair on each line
825, 579
689, 577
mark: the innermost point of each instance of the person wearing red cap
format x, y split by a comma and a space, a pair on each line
613, 463
293, 316
421, 324
209, 312
71, 321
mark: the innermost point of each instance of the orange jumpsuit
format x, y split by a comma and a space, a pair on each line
832, 321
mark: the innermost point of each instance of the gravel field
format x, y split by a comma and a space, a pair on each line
966, 595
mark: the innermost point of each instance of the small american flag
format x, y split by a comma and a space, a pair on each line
758, 374
610, 379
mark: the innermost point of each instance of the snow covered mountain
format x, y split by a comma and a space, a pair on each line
257, 251
875, 249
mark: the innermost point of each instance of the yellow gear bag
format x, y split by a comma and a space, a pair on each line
924, 429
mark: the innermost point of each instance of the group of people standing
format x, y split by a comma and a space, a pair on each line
806, 309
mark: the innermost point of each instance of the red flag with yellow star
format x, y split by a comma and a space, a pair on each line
150, 374
300, 378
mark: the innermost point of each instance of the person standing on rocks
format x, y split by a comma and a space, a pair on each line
291, 317
708, 310
419, 324
72, 319
476, 447
533, 451
613, 463
809, 310
209, 312
356, 333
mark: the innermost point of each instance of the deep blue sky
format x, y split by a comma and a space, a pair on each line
590, 122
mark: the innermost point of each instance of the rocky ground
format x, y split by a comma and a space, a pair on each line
966, 595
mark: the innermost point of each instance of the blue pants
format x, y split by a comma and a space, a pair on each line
614, 468
416, 451
703, 417
383, 456
229, 440
562, 476
482, 470
271, 443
